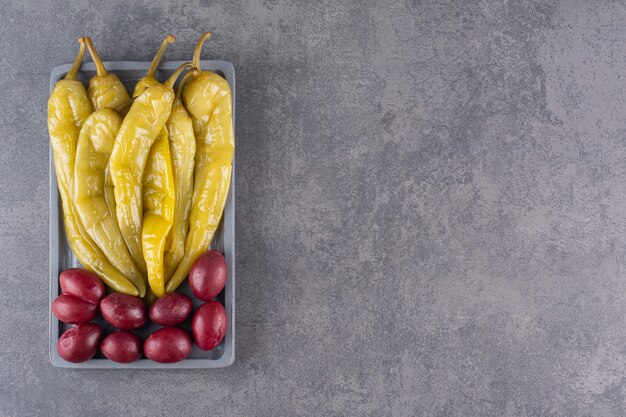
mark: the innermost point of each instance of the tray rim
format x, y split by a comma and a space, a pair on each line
228, 357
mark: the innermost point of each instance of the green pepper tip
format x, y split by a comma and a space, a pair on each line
192, 73
100, 69
71, 74
169, 39
172, 80
196, 52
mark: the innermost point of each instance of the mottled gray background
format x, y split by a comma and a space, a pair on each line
431, 214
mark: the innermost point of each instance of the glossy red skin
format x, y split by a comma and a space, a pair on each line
126, 312
209, 325
121, 347
79, 343
171, 309
168, 345
207, 276
82, 284
70, 309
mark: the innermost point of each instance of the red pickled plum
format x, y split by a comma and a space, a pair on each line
82, 284
171, 309
209, 325
126, 312
168, 345
80, 343
70, 309
121, 347
207, 276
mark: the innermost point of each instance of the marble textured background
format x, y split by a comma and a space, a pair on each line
431, 211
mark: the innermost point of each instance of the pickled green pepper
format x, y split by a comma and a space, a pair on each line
94, 147
208, 100
158, 214
183, 150
145, 119
105, 89
68, 108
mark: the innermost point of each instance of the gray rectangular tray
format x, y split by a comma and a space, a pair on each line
62, 257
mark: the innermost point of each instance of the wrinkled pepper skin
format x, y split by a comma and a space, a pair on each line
145, 119
68, 108
109, 192
158, 215
183, 151
105, 89
95, 143
208, 100
149, 80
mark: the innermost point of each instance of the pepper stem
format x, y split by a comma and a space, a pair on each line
172, 80
71, 75
100, 70
184, 80
196, 52
157, 58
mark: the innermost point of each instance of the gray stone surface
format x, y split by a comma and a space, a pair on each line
431, 212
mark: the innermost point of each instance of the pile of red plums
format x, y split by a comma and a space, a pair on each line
83, 295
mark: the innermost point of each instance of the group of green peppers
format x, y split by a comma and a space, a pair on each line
143, 180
